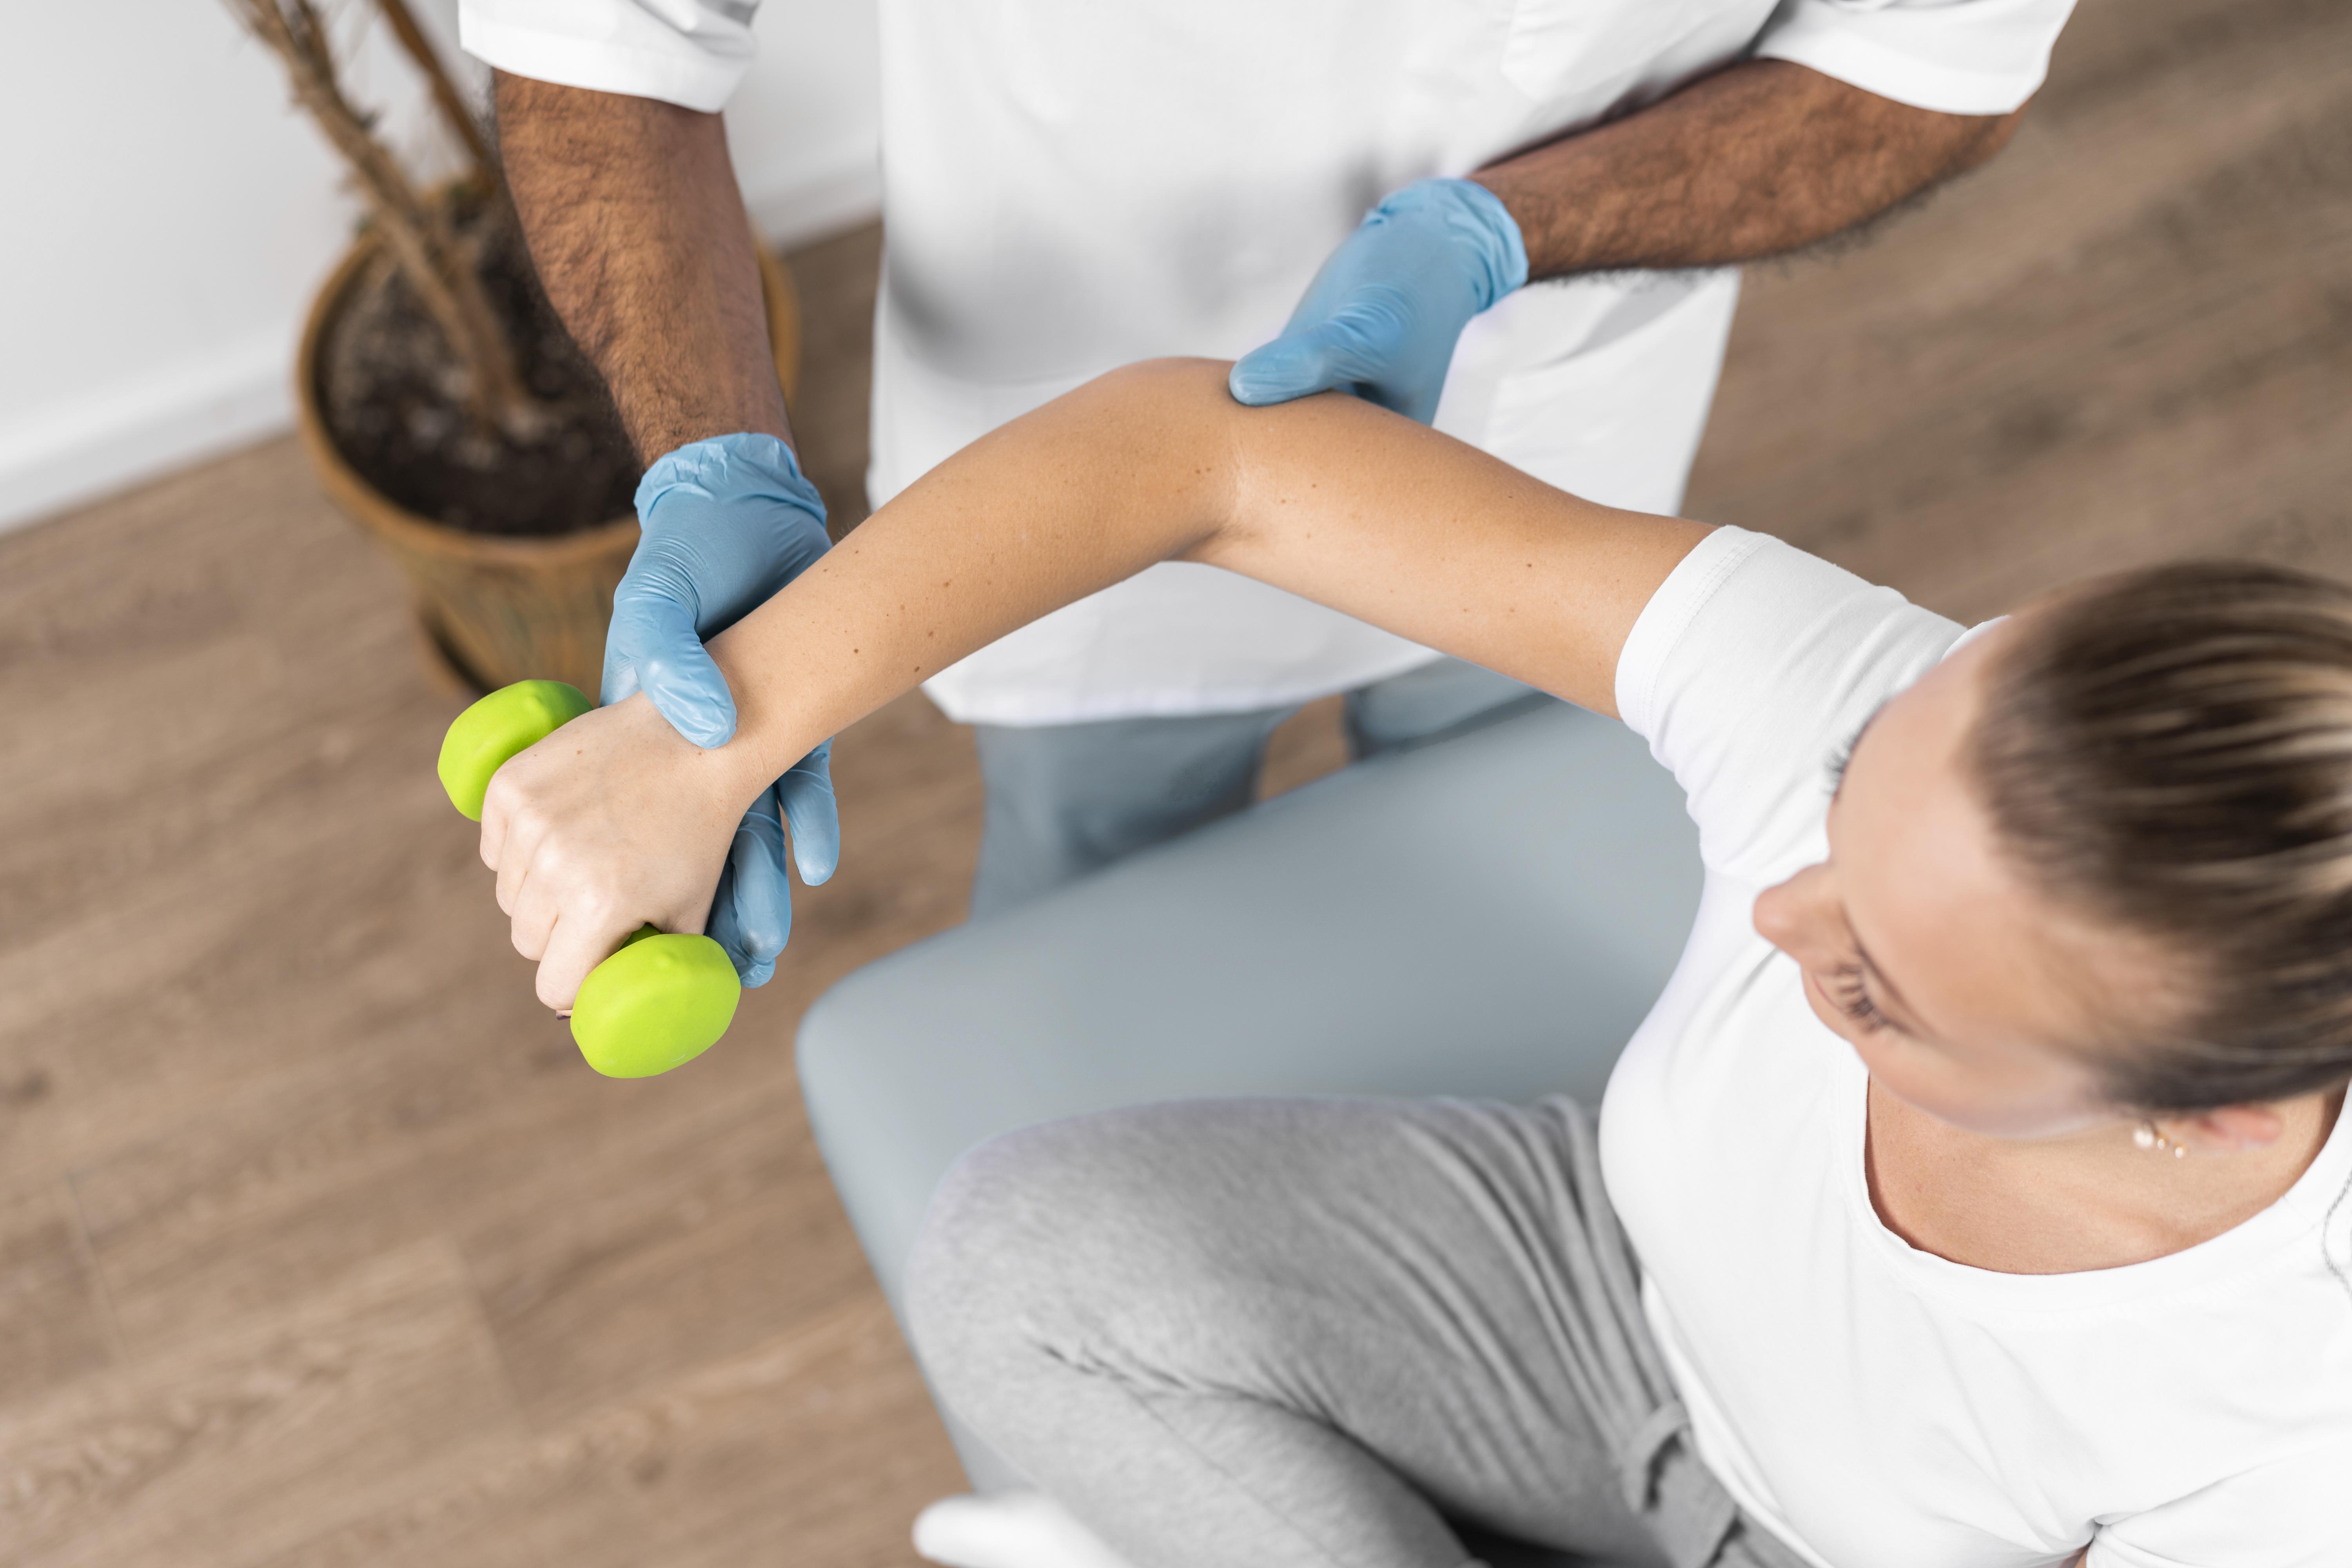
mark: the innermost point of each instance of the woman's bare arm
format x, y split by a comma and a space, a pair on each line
1329, 497
615, 820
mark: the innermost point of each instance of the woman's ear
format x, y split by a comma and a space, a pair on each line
2225, 1130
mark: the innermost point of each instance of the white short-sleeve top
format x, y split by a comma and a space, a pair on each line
1871, 1403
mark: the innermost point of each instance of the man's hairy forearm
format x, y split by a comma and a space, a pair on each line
638, 232
1763, 158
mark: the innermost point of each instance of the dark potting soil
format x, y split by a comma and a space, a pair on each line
388, 388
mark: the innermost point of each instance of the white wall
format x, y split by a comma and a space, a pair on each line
167, 214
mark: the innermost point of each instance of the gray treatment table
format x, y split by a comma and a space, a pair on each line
1490, 916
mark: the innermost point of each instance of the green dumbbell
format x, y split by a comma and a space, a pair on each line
662, 1000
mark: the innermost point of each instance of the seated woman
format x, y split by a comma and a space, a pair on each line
1975, 1194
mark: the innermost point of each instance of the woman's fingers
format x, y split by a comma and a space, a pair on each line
514, 876
492, 842
532, 917
578, 942
530, 894
554, 916
566, 929
522, 837
612, 823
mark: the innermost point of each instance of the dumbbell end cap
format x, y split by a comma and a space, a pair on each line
658, 1003
511, 720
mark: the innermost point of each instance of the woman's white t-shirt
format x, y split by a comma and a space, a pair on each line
1876, 1406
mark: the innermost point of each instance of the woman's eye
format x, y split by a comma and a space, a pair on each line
1853, 998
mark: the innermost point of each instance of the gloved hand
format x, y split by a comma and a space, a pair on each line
726, 522
1381, 318
753, 913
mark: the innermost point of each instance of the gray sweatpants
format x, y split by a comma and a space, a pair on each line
1268, 1332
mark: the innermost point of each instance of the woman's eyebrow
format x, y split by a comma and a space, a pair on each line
1844, 753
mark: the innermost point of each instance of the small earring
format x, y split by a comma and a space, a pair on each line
2146, 1136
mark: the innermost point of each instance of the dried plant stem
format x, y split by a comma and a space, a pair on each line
423, 243
446, 96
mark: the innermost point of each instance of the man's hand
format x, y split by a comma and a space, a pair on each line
1381, 318
634, 223
753, 913
727, 521
1759, 159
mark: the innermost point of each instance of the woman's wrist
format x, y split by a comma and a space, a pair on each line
772, 713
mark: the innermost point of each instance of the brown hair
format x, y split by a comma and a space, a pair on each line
2171, 749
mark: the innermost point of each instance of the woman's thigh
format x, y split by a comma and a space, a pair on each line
1280, 1309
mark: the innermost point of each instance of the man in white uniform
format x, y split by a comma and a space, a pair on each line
1070, 185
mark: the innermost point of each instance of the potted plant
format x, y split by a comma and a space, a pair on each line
443, 404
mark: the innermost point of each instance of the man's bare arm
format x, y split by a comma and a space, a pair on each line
637, 229
1760, 159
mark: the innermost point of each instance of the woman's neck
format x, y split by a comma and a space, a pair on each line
2066, 1205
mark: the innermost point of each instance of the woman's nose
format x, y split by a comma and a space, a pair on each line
1802, 917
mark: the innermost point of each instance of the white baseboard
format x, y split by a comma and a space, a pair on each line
166, 417
144, 425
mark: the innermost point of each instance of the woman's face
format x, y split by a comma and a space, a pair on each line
1967, 995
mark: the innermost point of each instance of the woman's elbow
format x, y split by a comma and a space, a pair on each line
1173, 409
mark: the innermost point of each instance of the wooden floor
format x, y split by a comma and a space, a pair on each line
319, 1246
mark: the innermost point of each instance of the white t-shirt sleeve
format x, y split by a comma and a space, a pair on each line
1957, 56
691, 53
2289, 1513
1748, 671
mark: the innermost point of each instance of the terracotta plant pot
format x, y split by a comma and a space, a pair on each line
493, 609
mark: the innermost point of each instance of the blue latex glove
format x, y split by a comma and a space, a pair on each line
752, 914
726, 522
1381, 318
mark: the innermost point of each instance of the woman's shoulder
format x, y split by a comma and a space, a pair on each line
1747, 610
1751, 668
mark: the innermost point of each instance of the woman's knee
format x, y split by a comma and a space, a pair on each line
1059, 1245
1002, 1253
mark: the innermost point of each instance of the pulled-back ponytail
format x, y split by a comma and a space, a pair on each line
2171, 749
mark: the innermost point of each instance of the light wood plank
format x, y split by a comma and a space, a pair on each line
795, 1451
54, 1325
221, 1453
